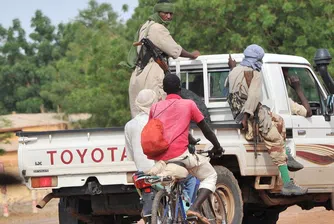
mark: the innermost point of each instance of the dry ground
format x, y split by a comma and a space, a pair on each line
295, 215
21, 214
20, 211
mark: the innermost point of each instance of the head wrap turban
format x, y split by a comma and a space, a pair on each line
164, 7
145, 99
253, 57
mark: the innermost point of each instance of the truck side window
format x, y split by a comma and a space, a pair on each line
193, 80
308, 85
217, 81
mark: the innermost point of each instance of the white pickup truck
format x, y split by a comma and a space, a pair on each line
88, 169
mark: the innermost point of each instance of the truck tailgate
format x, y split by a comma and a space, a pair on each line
75, 155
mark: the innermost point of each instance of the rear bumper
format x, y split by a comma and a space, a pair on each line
105, 200
93, 188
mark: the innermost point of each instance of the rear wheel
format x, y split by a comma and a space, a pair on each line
65, 206
219, 207
332, 200
228, 190
162, 212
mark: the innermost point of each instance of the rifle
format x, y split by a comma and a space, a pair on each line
256, 130
152, 51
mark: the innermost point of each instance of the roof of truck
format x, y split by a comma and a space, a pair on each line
223, 58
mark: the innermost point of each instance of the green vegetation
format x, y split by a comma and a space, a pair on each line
74, 68
4, 137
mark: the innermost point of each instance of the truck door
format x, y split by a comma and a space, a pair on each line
313, 136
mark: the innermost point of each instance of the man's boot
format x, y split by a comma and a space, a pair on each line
293, 165
290, 189
194, 210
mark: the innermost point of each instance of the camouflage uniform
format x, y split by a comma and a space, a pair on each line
245, 96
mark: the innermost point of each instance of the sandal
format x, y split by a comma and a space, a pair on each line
198, 215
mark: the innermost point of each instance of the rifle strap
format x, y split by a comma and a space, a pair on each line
143, 56
248, 76
148, 28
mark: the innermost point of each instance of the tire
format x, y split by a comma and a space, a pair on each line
188, 94
332, 200
218, 207
228, 189
161, 199
260, 215
63, 215
207, 211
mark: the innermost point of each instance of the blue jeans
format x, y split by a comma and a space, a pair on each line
190, 187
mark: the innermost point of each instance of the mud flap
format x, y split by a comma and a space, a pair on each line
147, 200
332, 199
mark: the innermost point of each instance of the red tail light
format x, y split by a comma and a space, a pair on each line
140, 182
38, 182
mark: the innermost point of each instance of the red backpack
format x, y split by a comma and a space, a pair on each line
152, 137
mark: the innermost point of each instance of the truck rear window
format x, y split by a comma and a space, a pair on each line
193, 80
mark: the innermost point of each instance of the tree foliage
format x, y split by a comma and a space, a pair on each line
223, 26
88, 79
73, 67
4, 137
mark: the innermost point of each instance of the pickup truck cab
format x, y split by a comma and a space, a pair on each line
88, 169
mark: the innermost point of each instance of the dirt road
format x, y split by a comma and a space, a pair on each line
295, 215
21, 214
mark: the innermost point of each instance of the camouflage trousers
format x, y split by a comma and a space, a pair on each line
272, 132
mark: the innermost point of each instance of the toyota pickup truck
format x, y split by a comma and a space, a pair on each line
89, 171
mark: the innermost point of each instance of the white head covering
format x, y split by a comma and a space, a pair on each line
145, 99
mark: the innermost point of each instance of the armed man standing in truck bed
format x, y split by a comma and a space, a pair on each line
147, 73
245, 83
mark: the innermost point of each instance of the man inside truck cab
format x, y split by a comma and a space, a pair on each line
302, 109
245, 84
149, 75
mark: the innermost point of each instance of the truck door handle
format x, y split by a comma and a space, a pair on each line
301, 132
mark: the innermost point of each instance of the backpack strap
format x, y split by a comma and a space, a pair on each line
163, 110
177, 136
